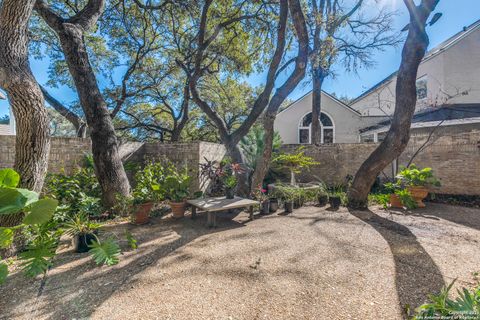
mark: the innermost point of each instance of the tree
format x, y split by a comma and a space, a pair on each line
283, 91
5, 119
71, 33
398, 135
340, 31
232, 44
26, 100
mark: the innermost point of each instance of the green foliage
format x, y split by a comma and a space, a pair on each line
148, 181
6, 237
413, 176
79, 224
37, 258
230, 181
252, 145
176, 187
41, 211
5, 119
78, 192
3, 272
465, 306
299, 194
406, 198
132, 242
380, 199
9, 178
294, 162
105, 252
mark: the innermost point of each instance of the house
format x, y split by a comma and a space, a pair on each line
340, 123
448, 95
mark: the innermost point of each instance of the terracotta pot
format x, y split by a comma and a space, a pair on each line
418, 194
395, 201
178, 209
142, 213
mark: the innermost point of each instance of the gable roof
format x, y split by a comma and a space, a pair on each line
430, 54
343, 104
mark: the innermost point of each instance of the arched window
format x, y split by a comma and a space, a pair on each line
327, 129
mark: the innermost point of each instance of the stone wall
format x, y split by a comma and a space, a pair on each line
65, 153
69, 153
183, 155
455, 159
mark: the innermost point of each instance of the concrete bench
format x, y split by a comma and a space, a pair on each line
216, 204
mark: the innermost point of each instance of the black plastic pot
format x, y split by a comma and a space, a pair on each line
273, 205
265, 207
288, 206
82, 241
334, 202
322, 200
229, 193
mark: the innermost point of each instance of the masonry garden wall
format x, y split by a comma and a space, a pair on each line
69, 153
455, 159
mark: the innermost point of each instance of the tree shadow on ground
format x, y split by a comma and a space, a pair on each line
416, 274
75, 287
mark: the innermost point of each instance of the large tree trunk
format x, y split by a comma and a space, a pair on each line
108, 165
26, 100
405, 101
317, 81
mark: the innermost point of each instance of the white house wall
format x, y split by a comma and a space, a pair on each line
449, 73
346, 122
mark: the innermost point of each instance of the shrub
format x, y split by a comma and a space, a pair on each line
78, 192
413, 176
465, 306
294, 162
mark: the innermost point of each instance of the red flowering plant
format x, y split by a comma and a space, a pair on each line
260, 194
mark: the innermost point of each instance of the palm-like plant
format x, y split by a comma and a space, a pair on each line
252, 145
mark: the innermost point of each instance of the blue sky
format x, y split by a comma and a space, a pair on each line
456, 15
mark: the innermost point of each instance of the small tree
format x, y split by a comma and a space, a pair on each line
294, 162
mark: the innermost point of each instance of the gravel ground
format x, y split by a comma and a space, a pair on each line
312, 264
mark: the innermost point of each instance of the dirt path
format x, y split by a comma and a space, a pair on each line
313, 264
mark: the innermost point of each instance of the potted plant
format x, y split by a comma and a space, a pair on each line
83, 231
176, 190
273, 204
260, 194
230, 182
335, 200
142, 204
287, 195
322, 199
418, 181
393, 189
288, 202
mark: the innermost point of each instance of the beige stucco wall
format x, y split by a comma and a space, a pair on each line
346, 122
449, 73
